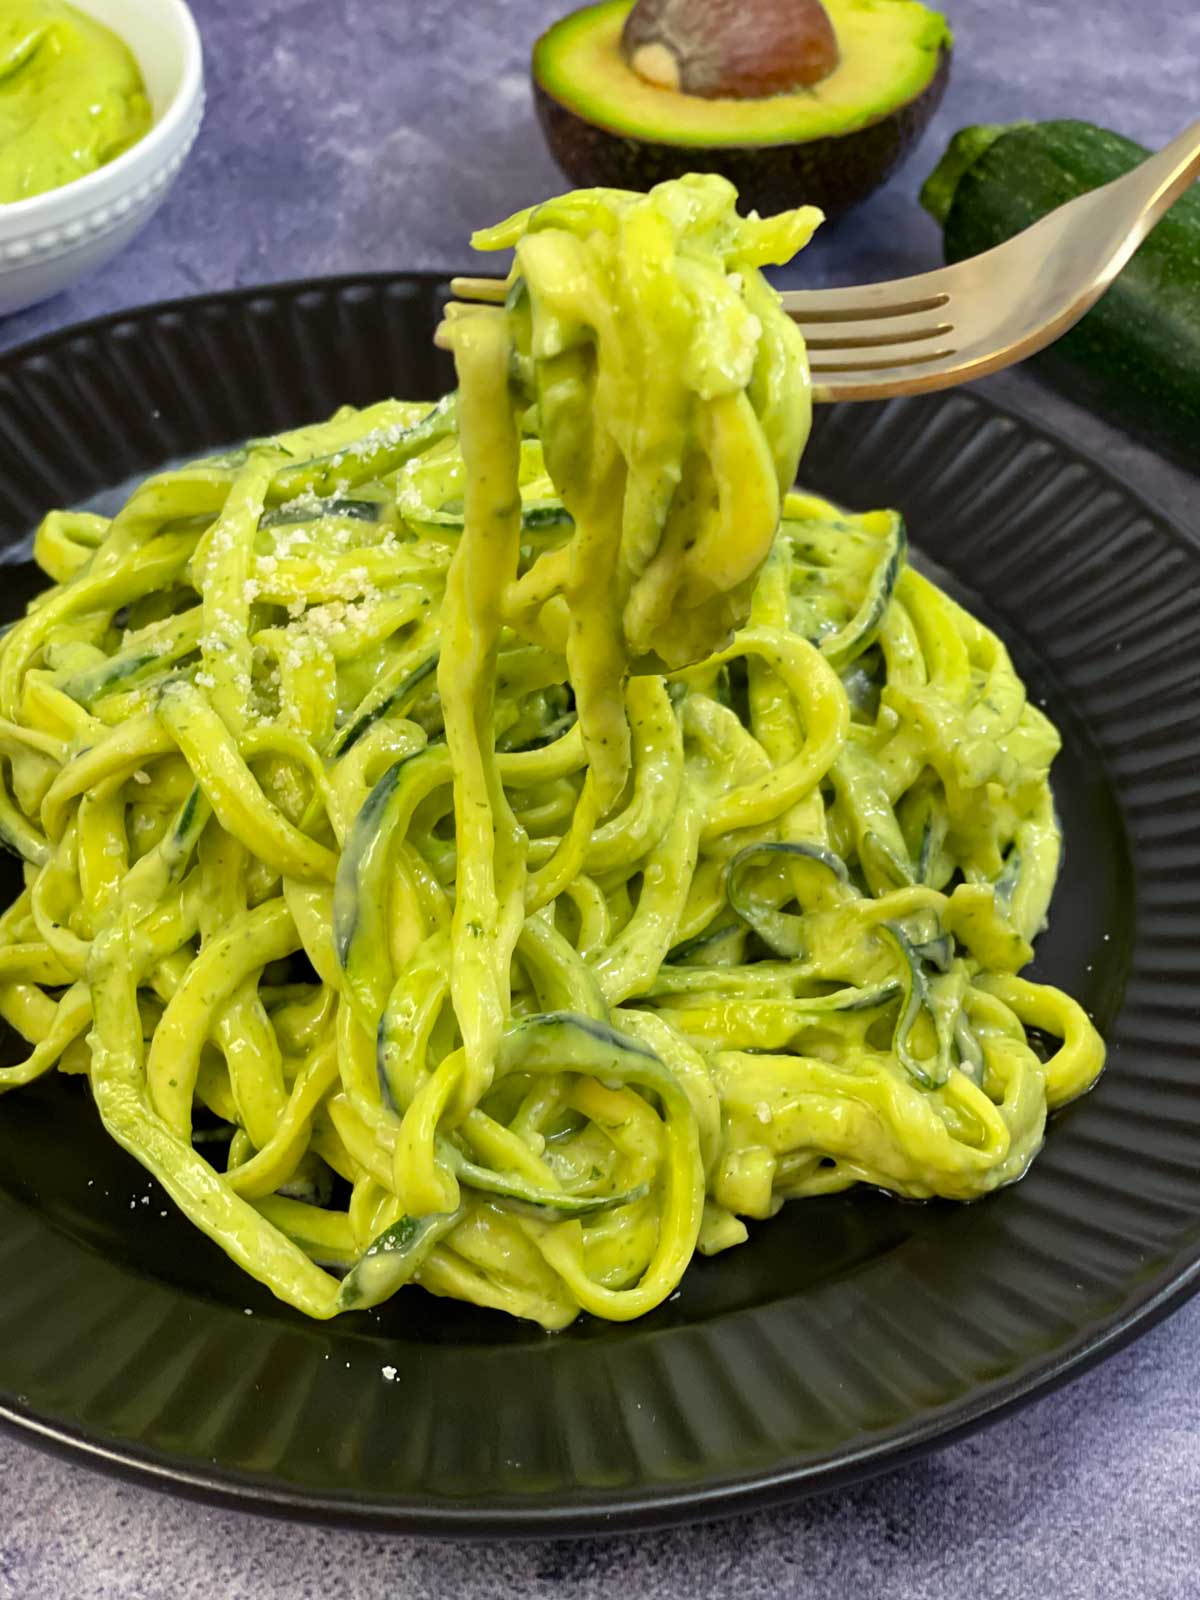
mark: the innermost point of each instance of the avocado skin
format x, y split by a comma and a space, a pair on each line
834, 173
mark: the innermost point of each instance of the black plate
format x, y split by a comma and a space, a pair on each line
850, 1332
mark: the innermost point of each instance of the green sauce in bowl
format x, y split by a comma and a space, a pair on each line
71, 97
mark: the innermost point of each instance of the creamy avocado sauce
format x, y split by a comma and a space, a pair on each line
71, 97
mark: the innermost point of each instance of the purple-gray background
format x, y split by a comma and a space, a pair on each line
368, 134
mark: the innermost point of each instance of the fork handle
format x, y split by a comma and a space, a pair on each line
1176, 164
1164, 176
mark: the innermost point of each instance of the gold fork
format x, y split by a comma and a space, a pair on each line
961, 322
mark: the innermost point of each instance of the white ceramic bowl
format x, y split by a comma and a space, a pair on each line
54, 239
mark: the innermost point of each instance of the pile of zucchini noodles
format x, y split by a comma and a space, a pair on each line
502, 845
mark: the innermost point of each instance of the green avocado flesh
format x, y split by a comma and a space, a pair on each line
890, 53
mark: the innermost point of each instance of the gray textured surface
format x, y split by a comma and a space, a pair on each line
375, 134
1089, 1496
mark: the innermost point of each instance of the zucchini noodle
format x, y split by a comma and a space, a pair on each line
504, 845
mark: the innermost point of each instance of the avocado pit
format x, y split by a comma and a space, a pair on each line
727, 49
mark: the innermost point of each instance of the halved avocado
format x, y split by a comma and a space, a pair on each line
828, 145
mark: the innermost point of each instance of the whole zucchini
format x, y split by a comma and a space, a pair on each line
1135, 357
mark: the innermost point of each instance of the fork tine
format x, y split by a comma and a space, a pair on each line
868, 362
875, 334
869, 301
852, 334
491, 291
903, 297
